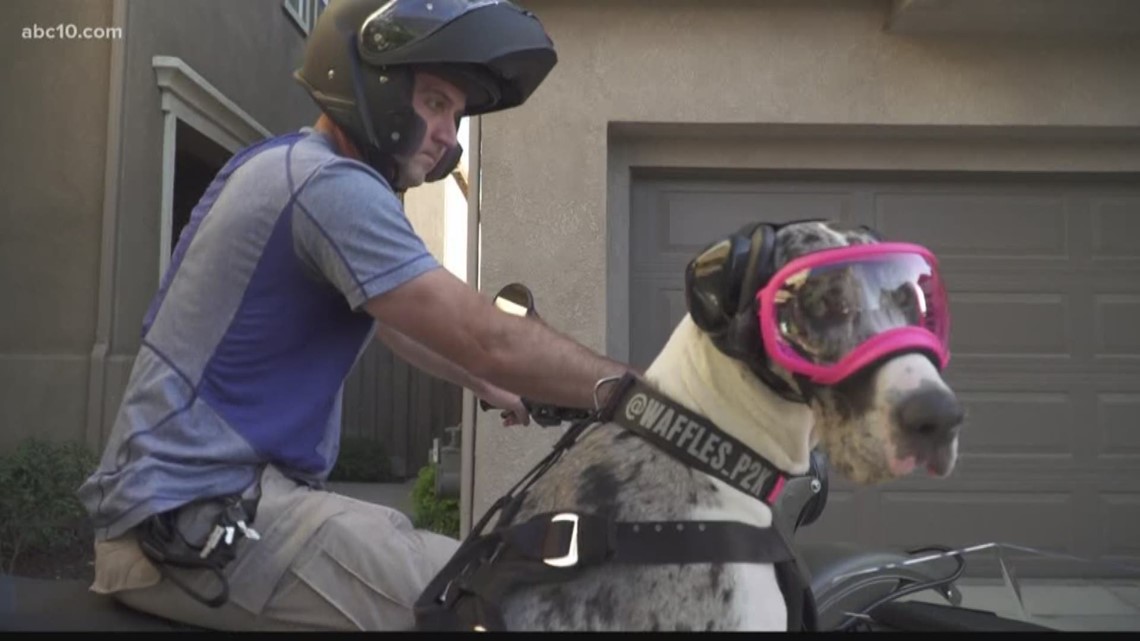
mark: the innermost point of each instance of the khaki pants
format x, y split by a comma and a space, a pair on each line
324, 562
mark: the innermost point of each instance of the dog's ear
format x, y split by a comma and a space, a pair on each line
875, 235
723, 273
761, 262
720, 292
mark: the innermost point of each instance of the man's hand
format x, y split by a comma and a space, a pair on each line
514, 412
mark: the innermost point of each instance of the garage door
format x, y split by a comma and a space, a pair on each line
1043, 278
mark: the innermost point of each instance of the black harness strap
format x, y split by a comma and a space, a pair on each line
558, 546
694, 441
567, 539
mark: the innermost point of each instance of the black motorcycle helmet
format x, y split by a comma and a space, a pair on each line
361, 55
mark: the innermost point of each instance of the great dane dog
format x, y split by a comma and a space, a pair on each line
889, 418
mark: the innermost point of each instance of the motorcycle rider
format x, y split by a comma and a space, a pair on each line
298, 253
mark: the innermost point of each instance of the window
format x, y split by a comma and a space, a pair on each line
305, 12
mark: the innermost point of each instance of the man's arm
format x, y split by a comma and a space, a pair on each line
352, 230
434, 364
427, 360
527, 357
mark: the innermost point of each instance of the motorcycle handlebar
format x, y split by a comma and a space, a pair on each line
544, 414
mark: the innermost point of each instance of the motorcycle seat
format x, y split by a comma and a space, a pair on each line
67, 605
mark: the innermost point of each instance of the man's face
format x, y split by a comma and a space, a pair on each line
440, 104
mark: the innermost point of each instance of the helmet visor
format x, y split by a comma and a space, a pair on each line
831, 313
402, 22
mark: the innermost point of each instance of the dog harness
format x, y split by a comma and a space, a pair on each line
560, 546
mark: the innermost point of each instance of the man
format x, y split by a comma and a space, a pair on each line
207, 503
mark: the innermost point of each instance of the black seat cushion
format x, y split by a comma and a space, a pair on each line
64, 605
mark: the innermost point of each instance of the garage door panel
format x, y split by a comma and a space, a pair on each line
951, 518
1027, 519
1116, 227
1044, 370
1036, 277
1120, 538
976, 225
1026, 474
1102, 472
1018, 423
686, 220
1053, 426
1010, 324
660, 304
688, 213
671, 302
1118, 422
1117, 318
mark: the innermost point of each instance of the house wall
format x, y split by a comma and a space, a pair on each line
53, 124
73, 108
712, 81
425, 209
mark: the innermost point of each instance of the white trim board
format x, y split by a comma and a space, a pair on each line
112, 179
189, 97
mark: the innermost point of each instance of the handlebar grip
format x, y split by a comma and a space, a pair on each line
543, 414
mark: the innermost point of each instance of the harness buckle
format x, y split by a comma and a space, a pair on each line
571, 557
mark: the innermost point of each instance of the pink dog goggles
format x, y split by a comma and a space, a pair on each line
830, 313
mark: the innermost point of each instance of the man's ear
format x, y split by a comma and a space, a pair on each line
343, 142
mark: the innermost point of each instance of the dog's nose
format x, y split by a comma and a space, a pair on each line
931, 412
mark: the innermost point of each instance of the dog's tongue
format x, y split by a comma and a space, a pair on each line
936, 467
902, 467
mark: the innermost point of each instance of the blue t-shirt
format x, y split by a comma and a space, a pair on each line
255, 327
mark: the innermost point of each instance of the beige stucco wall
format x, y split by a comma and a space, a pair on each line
438, 212
424, 206
80, 185
53, 124
818, 77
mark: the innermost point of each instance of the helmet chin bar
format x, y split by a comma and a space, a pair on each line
399, 130
387, 166
386, 135
446, 164
384, 164
384, 145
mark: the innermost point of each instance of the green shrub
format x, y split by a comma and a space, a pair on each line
362, 461
39, 510
428, 511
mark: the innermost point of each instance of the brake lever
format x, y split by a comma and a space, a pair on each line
550, 415
545, 415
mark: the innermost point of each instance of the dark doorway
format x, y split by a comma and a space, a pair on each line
197, 159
